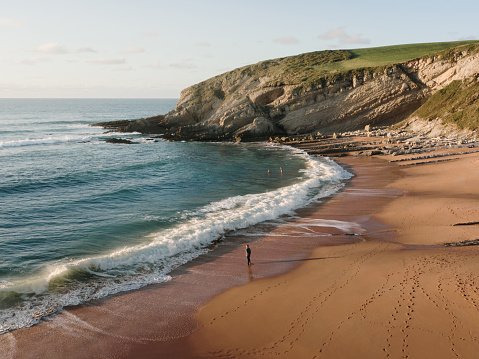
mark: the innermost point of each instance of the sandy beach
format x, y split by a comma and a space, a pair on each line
400, 294
363, 274
248, 180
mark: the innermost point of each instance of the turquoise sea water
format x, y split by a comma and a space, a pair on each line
82, 219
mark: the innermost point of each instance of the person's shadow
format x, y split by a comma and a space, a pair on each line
250, 273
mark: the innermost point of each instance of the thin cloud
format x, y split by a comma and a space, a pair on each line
287, 40
150, 34
105, 61
124, 68
33, 61
334, 34
87, 49
343, 37
133, 50
183, 65
203, 44
11, 23
52, 48
356, 39
467, 38
156, 65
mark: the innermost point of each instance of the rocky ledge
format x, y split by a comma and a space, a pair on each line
384, 141
286, 97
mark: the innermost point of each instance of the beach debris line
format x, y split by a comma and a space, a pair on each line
428, 162
433, 156
469, 242
466, 224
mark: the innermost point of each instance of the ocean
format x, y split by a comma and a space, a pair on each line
82, 219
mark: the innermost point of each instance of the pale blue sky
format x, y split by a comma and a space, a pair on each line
146, 48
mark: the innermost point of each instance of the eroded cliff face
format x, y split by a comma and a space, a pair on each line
245, 105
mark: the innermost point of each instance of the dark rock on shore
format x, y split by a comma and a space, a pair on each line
470, 242
151, 125
370, 153
121, 141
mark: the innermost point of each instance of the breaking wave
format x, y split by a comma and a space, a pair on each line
25, 301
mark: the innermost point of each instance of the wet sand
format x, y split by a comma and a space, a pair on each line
389, 290
394, 296
161, 317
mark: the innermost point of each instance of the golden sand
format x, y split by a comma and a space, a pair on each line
393, 296
395, 292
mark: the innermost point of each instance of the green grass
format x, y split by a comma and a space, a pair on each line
388, 55
457, 103
318, 69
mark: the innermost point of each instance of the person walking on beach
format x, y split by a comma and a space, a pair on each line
248, 254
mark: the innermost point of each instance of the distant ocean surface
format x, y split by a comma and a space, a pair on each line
82, 219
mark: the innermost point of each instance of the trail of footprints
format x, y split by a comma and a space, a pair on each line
317, 301
411, 287
466, 287
409, 290
298, 326
403, 310
408, 286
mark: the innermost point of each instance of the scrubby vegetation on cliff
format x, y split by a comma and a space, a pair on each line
318, 69
326, 91
457, 103
301, 69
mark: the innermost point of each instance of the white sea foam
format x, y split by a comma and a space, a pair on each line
305, 227
43, 141
136, 266
54, 140
341, 225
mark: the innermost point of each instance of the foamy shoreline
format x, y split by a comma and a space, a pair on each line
333, 284
172, 248
400, 294
317, 167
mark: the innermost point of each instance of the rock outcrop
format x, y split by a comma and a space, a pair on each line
151, 125
268, 99
123, 141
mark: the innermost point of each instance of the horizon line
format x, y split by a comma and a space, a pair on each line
89, 98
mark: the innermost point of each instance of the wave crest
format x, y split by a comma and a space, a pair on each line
77, 281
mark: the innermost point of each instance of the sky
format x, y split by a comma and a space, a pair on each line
154, 49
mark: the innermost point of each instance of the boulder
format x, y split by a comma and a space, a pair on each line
260, 127
370, 153
121, 141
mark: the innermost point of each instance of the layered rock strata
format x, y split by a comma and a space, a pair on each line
249, 105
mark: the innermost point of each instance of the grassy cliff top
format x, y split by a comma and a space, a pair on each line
388, 55
314, 69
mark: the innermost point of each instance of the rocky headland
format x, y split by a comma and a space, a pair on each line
331, 94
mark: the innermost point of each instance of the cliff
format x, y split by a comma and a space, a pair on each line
326, 91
